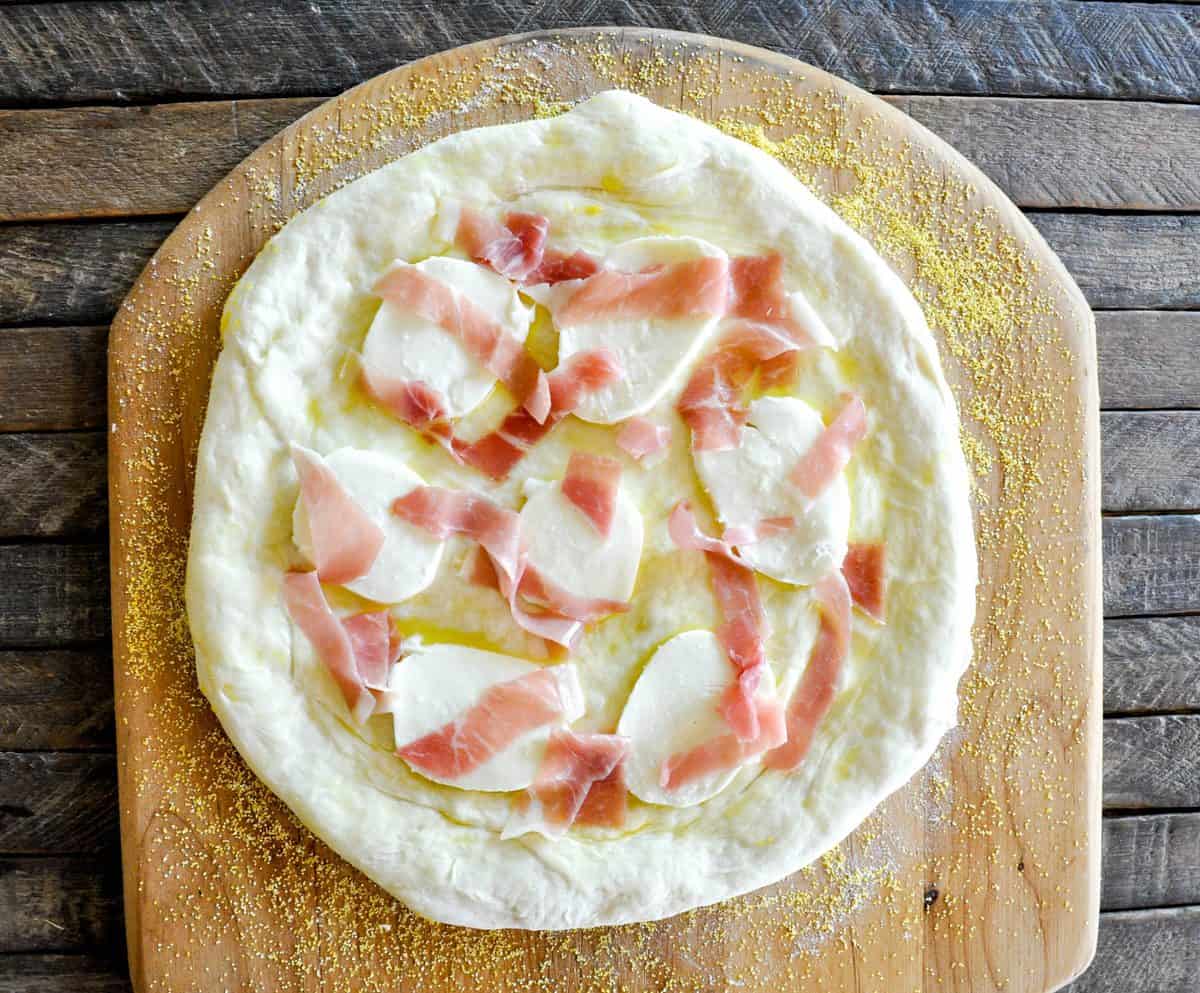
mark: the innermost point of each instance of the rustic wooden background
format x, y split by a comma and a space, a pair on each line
116, 116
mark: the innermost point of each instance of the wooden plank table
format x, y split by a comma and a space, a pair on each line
115, 117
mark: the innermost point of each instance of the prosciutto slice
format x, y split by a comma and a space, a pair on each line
414, 403
744, 628
504, 713
559, 267
641, 437
498, 351
757, 295
830, 453
725, 751
747, 534
307, 606
712, 403
814, 695
591, 484
497, 453
371, 641
517, 248
573, 769
863, 569
537, 605
694, 288
345, 541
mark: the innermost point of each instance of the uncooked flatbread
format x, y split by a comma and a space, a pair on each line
615, 168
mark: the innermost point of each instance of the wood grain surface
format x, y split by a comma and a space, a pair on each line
55, 690
1046, 905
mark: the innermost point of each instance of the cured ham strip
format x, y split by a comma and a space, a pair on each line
830, 453
712, 403
538, 606
517, 248
497, 453
693, 288
558, 267
573, 767
419, 406
641, 437
725, 751
863, 569
345, 541
504, 713
591, 484
757, 295
307, 606
748, 534
498, 351
814, 695
744, 629
607, 801
371, 641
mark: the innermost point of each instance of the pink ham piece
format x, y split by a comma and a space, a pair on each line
345, 541
725, 751
757, 295
371, 641
712, 403
514, 249
607, 801
641, 437
497, 453
738, 535
307, 606
537, 605
863, 568
814, 695
591, 484
573, 767
744, 628
504, 713
414, 403
558, 267
694, 288
410, 289
830, 453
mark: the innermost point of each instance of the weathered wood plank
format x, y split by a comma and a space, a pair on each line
1145, 951
1151, 860
72, 273
52, 485
56, 699
1151, 663
57, 802
1151, 762
1129, 261
1074, 153
78, 272
127, 161
1150, 460
53, 594
52, 378
108, 161
1151, 565
114, 51
63, 974
60, 904
1148, 359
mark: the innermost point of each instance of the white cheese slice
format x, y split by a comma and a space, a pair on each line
409, 558
566, 548
749, 483
655, 353
439, 683
674, 707
402, 345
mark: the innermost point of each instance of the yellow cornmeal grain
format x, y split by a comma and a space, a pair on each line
238, 894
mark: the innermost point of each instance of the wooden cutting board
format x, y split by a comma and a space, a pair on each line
982, 875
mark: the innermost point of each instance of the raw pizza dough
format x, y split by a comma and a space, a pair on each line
614, 169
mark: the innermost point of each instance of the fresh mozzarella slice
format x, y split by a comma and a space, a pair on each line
409, 558
654, 352
403, 346
564, 546
673, 708
439, 684
750, 484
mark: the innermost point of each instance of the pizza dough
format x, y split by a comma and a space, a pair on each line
612, 172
